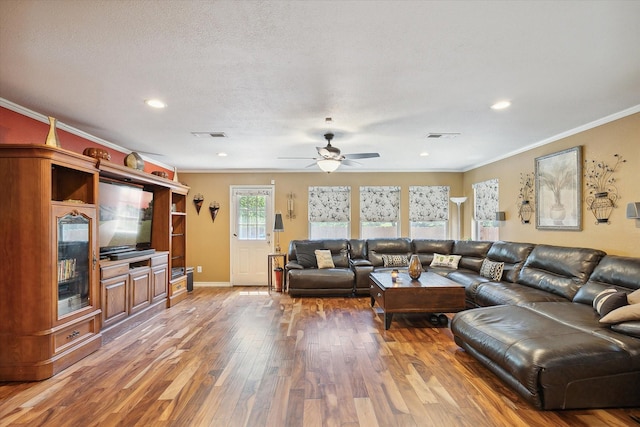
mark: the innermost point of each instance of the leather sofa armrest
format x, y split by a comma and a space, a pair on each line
293, 266
360, 263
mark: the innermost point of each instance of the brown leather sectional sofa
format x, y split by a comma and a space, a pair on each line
536, 328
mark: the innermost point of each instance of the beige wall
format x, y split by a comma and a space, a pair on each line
621, 236
208, 242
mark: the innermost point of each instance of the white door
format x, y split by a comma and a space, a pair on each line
251, 230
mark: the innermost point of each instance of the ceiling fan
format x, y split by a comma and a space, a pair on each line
330, 157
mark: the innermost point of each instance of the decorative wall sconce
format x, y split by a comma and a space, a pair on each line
214, 207
197, 200
291, 214
501, 216
633, 210
602, 191
525, 197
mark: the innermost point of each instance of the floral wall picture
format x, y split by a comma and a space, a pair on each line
558, 190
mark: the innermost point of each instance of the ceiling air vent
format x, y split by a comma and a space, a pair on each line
443, 135
209, 134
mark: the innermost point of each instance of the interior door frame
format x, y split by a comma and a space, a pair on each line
270, 210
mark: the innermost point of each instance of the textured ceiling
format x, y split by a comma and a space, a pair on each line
267, 73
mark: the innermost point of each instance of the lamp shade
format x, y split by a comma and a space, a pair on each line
458, 200
328, 165
278, 225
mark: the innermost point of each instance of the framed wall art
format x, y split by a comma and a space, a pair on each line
558, 190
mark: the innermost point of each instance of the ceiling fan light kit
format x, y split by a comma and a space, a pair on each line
328, 165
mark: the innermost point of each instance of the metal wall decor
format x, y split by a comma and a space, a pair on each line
197, 201
525, 197
600, 183
291, 214
214, 207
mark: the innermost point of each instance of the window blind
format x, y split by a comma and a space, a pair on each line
329, 204
429, 203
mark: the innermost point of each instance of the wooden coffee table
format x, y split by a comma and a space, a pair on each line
431, 293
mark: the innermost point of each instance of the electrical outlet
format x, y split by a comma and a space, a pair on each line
199, 269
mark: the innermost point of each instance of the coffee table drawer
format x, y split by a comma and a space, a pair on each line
377, 294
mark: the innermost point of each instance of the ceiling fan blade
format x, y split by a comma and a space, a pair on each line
348, 162
361, 155
311, 165
297, 158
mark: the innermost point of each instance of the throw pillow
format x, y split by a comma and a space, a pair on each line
634, 297
395, 261
324, 258
306, 255
623, 314
450, 261
609, 300
492, 269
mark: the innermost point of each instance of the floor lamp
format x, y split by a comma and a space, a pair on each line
458, 201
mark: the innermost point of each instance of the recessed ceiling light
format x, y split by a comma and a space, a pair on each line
424, 154
222, 154
500, 105
155, 103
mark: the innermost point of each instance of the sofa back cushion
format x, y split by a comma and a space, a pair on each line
621, 273
473, 252
557, 269
358, 249
513, 255
425, 249
339, 250
378, 247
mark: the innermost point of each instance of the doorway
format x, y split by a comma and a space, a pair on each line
251, 230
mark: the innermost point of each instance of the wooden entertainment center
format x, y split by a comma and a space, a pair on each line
58, 299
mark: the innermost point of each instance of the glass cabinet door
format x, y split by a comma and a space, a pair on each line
74, 262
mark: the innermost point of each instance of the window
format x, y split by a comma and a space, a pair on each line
252, 217
329, 212
379, 212
485, 195
428, 212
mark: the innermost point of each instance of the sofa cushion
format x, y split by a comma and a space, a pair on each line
608, 300
623, 314
513, 255
425, 248
395, 260
306, 253
449, 261
559, 270
498, 293
472, 253
620, 273
377, 247
628, 328
492, 269
324, 258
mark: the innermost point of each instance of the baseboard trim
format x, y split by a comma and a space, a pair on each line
212, 284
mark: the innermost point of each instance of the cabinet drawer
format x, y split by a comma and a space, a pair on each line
73, 334
159, 260
114, 270
178, 286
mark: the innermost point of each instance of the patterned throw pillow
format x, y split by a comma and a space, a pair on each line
450, 261
324, 258
609, 300
492, 269
395, 260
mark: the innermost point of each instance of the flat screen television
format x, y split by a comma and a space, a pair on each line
125, 217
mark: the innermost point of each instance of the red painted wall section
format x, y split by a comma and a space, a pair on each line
16, 128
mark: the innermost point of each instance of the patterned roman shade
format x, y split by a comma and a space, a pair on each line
429, 203
329, 204
379, 204
486, 200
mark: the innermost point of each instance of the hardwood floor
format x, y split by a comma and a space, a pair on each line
241, 357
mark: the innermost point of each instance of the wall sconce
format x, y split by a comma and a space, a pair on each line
214, 207
602, 189
278, 227
291, 214
501, 216
633, 210
197, 200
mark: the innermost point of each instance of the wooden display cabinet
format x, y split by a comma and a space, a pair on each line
49, 301
178, 282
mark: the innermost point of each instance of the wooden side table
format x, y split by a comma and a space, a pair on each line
273, 263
